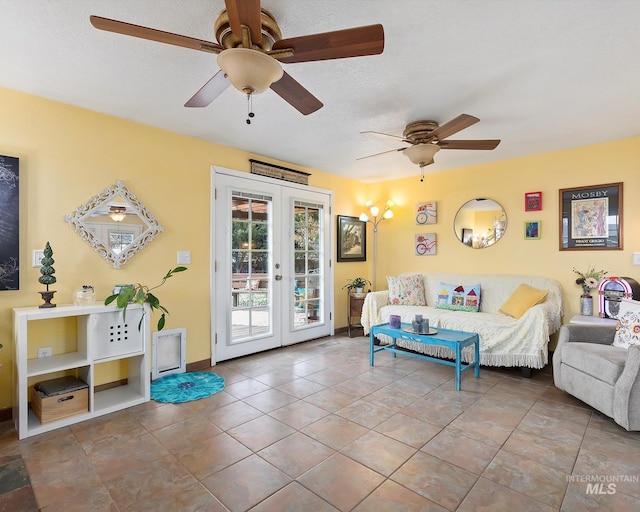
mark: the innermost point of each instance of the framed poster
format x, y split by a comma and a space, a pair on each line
425, 244
532, 201
532, 230
426, 213
352, 239
9, 224
591, 217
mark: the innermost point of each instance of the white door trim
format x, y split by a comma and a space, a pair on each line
329, 296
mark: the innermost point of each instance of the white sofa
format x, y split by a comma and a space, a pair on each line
504, 340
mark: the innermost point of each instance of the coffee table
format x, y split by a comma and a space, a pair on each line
455, 340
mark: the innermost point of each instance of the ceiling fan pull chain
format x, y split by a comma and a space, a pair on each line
250, 107
421, 173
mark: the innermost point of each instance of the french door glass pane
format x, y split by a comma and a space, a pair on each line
307, 260
119, 240
314, 221
250, 255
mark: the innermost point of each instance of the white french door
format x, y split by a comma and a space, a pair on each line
272, 277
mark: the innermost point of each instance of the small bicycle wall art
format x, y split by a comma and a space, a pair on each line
425, 244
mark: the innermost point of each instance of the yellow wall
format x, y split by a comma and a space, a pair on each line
68, 154
506, 182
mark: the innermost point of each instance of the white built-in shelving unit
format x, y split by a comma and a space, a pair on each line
103, 335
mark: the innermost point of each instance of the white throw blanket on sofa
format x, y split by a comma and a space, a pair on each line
504, 340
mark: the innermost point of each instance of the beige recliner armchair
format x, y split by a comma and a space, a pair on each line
587, 366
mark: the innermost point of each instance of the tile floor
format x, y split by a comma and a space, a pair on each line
313, 427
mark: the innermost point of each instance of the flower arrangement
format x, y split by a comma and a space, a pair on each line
590, 279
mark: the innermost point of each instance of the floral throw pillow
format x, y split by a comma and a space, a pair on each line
406, 290
628, 329
458, 297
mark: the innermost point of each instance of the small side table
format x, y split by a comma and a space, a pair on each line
354, 305
592, 320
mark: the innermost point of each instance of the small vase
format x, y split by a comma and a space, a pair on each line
586, 305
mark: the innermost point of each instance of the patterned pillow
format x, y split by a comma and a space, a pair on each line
406, 290
458, 297
628, 329
252, 284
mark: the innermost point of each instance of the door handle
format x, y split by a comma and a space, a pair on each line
278, 278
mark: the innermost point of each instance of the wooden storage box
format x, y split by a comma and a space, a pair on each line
48, 408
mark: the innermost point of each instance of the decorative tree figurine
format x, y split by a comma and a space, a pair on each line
47, 277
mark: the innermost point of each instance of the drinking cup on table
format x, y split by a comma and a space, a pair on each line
394, 321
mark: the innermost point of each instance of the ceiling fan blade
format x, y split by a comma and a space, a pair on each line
247, 13
383, 153
128, 29
209, 91
468, 144
340, 44
454, 126
296, 95
380, 134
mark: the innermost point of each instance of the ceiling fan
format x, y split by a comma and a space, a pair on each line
426, 138
250, 49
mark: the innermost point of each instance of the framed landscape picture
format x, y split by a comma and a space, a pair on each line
591, 217
352, 239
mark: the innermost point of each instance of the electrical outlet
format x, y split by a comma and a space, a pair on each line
38, 254
45, 352
184, 257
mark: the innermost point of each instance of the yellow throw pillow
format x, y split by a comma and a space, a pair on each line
523, 298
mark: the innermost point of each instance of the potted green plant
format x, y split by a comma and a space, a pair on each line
139, 294
356, 285
47, 276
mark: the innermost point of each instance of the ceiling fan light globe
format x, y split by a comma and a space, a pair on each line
117, 213
421, 154
249, 71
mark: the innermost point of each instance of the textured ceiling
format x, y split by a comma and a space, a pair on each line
542, 75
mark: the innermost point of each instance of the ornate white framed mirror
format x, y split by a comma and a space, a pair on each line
115, 224
480, 223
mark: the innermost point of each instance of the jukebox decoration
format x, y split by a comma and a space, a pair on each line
612, 290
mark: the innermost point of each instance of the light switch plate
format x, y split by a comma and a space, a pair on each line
636, 258
38, 254
184, 257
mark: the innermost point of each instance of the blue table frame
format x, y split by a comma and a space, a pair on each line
455, 340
